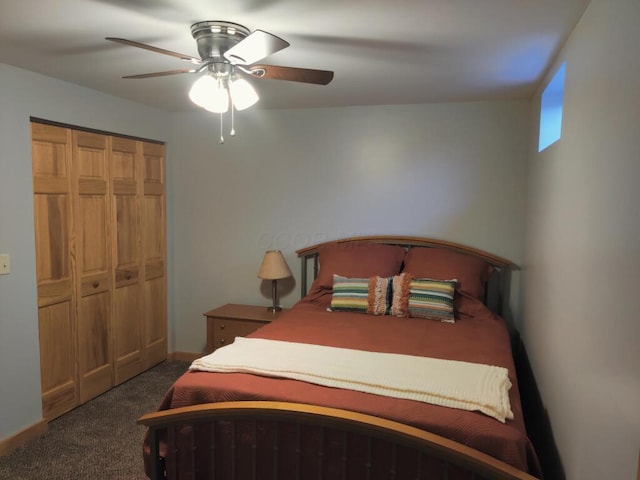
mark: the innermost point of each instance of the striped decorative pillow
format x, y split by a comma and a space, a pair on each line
423, 298
432, 299
361, 295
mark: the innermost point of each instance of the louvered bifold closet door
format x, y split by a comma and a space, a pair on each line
128, 301
51, 154
94, 284
154, 254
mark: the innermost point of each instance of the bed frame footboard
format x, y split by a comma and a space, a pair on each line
280, 441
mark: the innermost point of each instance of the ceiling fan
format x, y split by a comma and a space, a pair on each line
228, 52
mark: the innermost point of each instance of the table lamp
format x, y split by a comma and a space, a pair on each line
274, 267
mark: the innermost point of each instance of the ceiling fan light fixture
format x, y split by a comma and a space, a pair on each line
225, 48
209, 93
243, 94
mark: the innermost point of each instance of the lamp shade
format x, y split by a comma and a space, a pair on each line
274, 266
210, 94
243, 94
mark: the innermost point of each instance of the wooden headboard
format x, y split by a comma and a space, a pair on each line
497, 290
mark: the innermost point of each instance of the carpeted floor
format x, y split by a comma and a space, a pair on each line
98, 440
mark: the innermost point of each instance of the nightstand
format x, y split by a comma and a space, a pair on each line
229, 321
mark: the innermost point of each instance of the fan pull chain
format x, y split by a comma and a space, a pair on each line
233, 130
221, 137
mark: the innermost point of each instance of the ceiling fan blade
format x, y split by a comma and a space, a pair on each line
131, 43
162, 74
293, 74
255, 47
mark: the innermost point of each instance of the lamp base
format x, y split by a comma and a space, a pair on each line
274, 296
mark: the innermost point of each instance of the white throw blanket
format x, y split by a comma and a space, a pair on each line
463, 385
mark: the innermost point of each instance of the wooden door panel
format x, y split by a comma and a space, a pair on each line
152, 169
93, 254
127, 332
51, 167
154, 253
127, 219
153, 163
128, 302
125, 168
127, 328
49, 159
94, 356
92, 213
41, 132
57, 359
155, 335
153, 166
153, 227
92, 186
50, 185
50, 153
153, 269
51, 216
123, 159
90, 155
53, 292
94, 328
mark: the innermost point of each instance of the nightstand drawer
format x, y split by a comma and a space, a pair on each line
225, 330
226, 323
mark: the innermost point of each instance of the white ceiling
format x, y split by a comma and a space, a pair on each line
382, 51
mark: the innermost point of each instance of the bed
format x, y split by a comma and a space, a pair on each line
239, 424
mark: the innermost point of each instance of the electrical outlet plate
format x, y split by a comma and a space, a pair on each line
5, 266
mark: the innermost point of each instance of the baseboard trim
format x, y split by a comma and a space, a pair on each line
11, 443
184, 356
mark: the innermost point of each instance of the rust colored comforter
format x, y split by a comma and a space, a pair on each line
480, 339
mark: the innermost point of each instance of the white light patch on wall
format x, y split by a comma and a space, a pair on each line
551, 110
394, 187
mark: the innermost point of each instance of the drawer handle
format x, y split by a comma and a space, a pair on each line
127, 276
222, 341
222, 326
96, 284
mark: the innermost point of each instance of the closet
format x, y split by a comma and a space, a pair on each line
99, 216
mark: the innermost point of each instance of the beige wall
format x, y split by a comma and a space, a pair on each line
296, 177
582, 268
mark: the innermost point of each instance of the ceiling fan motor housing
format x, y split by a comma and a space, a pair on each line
227, 48
214, 38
